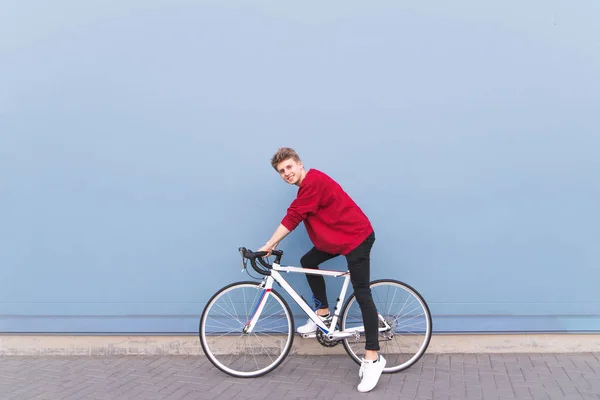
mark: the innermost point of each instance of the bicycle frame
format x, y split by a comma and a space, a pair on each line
331, 333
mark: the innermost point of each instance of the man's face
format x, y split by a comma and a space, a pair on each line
290, 171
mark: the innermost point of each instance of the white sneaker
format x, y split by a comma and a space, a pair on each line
310, 326
369, 372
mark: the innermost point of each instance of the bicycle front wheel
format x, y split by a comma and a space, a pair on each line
407, 316
222, 336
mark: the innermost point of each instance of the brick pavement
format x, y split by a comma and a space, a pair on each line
460, 376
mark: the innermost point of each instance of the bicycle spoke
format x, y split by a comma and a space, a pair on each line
247, 354
408, 317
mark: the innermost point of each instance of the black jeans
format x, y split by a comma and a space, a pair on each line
359, 265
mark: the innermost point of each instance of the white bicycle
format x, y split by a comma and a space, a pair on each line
247, 328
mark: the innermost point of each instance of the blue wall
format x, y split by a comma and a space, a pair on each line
135, 139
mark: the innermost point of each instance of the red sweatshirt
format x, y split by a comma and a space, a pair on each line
334, 222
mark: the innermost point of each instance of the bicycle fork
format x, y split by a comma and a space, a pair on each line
267, 287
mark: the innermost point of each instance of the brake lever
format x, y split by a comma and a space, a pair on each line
244, 261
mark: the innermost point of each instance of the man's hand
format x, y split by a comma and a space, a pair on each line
268, 248
277, 237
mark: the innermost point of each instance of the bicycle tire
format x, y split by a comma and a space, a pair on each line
390, 366
211, 353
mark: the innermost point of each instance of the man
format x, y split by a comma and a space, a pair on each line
336, 226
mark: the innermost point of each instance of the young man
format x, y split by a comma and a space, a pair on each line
336, 226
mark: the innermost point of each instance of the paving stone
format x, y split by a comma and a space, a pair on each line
448, 376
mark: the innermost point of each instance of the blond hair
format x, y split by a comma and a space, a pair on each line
282, 154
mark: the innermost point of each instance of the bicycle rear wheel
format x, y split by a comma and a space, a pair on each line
240, 354
408, 316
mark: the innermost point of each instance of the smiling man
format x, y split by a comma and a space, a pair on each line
336, 226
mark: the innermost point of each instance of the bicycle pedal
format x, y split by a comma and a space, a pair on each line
308, 335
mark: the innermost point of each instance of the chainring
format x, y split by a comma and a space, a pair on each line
324, 340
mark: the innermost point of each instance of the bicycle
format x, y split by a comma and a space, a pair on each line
251, 332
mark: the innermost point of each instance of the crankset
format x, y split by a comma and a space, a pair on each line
324, 340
